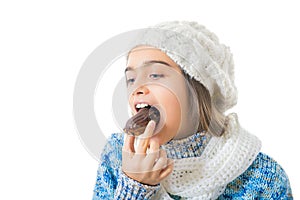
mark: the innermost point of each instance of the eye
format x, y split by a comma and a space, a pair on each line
130, 81
156, 76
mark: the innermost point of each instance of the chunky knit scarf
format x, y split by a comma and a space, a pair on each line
205, 176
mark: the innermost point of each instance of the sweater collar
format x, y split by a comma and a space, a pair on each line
222, 160
192, 146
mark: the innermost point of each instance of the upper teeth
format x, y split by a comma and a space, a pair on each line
141, 105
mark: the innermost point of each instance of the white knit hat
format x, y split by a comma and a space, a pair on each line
198, 52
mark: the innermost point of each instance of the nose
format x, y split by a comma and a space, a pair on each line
142, 90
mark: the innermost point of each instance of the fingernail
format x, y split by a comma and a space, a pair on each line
152, 124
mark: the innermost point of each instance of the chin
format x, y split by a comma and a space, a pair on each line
162, 137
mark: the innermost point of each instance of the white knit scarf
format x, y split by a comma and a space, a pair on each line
222, 161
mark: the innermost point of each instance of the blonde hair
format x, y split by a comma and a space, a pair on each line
212, 119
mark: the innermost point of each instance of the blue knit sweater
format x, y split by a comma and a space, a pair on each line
264, 179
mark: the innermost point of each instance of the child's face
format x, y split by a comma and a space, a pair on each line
153, 78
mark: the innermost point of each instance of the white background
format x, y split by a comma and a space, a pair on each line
43, 45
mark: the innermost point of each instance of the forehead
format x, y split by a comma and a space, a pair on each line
144, 54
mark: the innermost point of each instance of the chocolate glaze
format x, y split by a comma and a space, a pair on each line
136, 125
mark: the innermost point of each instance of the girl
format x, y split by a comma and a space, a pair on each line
195, 151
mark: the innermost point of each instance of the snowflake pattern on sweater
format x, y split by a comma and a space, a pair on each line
264, 179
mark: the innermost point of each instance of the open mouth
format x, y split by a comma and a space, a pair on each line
139, 106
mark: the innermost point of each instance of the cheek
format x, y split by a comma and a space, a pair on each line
130, 103
171, 105
172, 109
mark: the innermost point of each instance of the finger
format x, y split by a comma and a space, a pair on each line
153, 146
148, 130
167, 170
151, 159
161, 162
143, 140
153, 153
128, 143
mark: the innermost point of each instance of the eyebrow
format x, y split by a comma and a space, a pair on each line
147, 63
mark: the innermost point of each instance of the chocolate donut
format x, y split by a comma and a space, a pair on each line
136, 125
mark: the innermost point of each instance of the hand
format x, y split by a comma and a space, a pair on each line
147, 167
